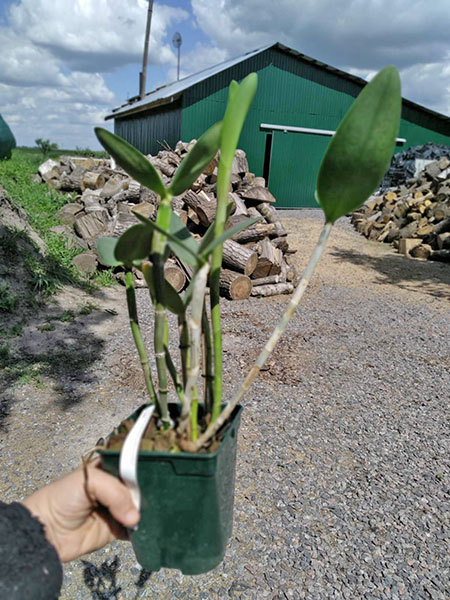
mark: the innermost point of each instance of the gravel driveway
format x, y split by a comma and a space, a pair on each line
343, 472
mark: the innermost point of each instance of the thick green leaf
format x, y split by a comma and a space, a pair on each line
180, 239
131, 160
359, 152
106, 250
198, 158
134, 244
234, 86
227, 234
182, 243
239, 100
172, 300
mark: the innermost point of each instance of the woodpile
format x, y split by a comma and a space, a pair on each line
104, 198
414, 217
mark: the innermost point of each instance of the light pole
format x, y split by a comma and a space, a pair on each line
177, 40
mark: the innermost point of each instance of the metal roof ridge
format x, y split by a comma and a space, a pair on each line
195, 77
173, 90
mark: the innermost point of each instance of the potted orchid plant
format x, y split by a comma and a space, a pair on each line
186, 461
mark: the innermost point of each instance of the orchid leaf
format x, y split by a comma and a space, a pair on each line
106, 247
239, 100
131, 160
171, 300
134, 244
227, 234
180, 239
209, 235
196, 160
360, 150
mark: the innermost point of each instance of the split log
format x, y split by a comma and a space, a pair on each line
74, 180
256, 192
204, 206
267, 211
423, 251
269, 280
234, 286
441, 256
272, 290
174, 275
177, 204
239, 204
279, 230
253, 212
281, 243
441, 211
269, 261
240, 164
239, 257
255, 232
442, 226
92, 180
49, 170
443, 241
163, 167
133, 190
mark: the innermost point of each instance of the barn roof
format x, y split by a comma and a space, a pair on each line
169, 93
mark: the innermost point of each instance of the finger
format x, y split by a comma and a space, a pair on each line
112, 493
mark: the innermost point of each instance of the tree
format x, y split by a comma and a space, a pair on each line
45, 146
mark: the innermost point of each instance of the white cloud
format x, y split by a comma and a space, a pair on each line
359, 36
95, 35
54, 56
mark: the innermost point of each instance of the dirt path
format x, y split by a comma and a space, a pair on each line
366, 305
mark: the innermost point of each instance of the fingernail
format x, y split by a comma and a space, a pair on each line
132, 516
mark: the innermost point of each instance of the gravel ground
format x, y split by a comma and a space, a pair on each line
343, 471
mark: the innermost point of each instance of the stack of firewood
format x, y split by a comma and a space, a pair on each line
415, 217
255, 260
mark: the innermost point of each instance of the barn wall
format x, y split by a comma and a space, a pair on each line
291, 91
147, 130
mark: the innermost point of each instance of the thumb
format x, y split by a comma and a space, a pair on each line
114, 495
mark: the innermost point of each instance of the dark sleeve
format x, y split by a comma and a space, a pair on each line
29, 565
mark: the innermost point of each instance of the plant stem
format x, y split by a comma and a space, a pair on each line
183, 333
207, 362
223, 183
194, 415
270, 345
158, 247
195, 326
136, 331
171, 367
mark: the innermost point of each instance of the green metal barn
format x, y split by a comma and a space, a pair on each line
295, 93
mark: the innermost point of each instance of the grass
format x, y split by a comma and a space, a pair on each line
8, 301
22, 370
41, 205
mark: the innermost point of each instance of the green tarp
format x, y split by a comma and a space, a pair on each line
7, 141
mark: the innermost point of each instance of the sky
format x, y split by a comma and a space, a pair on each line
64, 64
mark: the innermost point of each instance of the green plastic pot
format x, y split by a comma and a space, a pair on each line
186, 504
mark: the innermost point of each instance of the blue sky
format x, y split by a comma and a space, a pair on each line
64, 64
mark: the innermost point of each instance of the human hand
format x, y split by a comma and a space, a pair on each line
74, 523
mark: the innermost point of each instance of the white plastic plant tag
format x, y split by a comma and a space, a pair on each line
129, 455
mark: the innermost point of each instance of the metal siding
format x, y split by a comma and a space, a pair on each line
287, 99
284, 98
297, 93
146, 130
296, 160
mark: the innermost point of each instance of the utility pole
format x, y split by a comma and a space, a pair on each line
177, 41
143, 74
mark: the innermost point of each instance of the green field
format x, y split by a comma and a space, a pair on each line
41, 204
